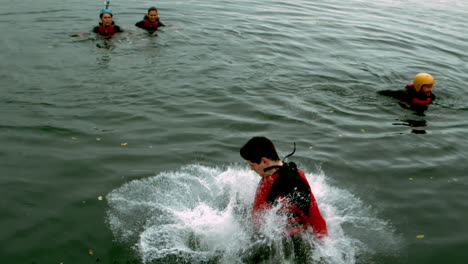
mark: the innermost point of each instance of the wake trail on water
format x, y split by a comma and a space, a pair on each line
201, 214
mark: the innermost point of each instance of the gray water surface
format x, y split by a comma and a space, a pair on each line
80, 118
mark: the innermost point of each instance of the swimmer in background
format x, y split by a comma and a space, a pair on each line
106, 27
416, 96
150, 21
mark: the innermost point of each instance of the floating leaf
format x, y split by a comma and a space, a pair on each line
410, 179
420, 236
99, 198
98, 139
91, 252
363, 130
340, 135
311, 147
73, 138
124, 144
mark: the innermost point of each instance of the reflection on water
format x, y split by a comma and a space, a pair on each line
419, 109
104, 60
414, 124
105, 44
417, 120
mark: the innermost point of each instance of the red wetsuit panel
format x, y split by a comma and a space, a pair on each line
301, 220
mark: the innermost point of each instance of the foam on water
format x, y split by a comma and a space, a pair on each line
200, 214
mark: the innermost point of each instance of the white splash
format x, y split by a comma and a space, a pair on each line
202, 215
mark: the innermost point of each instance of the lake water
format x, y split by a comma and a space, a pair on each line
127, 150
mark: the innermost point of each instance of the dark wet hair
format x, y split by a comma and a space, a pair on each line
152, 9
100, 15
257, 148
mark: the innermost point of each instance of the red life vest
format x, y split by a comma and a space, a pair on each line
106, 31
419, 101
296, 225
150, 25
415, 100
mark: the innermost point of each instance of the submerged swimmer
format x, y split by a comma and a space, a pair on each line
150, 21
416, 96
283, 185
106, 27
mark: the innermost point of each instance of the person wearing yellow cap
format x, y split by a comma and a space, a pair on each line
416, 95
420, 91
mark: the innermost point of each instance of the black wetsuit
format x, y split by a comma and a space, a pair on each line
107, 31
409, 98
149, 26
290, 187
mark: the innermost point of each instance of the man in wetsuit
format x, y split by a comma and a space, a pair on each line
416, 96
284, 185
150, 21
106, 27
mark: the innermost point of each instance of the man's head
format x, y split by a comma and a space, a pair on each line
423, 83
152, 14
260, 153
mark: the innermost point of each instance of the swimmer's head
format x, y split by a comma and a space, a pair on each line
105, 11
106, 19
152, 14
152, 9
423, 79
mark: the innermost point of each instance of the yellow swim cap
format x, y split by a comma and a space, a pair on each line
421, 79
